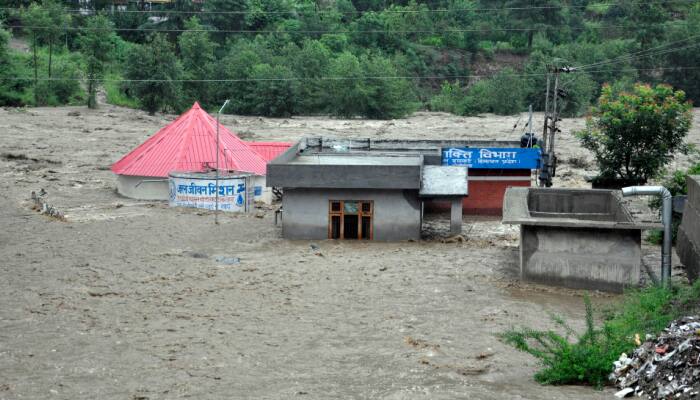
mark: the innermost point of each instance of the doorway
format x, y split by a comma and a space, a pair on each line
350, 219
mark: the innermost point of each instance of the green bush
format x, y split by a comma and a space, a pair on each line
117, 92
448, 99
634, 135
587, 358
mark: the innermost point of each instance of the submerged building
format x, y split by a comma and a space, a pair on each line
379, 189
189, 145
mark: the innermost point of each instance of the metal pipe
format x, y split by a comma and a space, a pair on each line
216, 208
666, 210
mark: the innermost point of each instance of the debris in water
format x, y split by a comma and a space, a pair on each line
228, 260
194, 254
667, 366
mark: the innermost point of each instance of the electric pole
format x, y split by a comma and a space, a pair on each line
548, 163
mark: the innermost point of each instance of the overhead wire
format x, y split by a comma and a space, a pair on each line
317, 32
334, 78
393, 11
641, 53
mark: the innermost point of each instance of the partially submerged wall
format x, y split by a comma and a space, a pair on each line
149, 188
579, 238
584, 258
397, 214
143, 187
688, 241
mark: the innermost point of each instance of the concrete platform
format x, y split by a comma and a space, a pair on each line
578, 238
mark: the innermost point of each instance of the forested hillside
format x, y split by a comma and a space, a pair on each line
369, 58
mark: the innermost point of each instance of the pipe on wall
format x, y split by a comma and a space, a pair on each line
666, 210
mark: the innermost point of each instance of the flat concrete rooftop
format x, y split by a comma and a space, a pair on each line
356, 159
328, 162
570, 208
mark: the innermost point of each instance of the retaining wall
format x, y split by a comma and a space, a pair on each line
688, 241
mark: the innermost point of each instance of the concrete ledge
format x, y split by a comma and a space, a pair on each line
689, 254
516, 211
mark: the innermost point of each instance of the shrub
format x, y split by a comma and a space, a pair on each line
634, 135
588, 359
448, 99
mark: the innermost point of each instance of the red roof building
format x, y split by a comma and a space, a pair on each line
188, 144
269, 150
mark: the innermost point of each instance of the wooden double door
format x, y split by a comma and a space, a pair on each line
350, 219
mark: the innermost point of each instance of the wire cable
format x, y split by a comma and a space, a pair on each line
319, 12
337, 78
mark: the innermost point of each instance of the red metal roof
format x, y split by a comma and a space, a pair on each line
188, 144
269, 150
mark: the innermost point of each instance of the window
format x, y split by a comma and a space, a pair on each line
350, 219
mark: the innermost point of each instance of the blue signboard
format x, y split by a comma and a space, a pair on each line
492, 157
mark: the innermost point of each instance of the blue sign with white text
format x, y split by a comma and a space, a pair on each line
492, 157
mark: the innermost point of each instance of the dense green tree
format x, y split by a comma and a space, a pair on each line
682, 65
387, 95
154, 72
311, 64
273, 92
225, 14
634, 135
12, 84
198, 60
97, 44
541, 15
345, 91
45, 22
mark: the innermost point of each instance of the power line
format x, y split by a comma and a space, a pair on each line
393, 11
338, 78
250, 31
641, 53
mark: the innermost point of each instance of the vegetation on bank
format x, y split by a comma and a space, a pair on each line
587, 358
346, 57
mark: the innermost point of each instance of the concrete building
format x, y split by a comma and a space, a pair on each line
578, 238
688, 241
371, 189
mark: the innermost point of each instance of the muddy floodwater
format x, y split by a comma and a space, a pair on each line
129, 299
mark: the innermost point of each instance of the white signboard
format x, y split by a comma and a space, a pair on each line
201, 193
439, 180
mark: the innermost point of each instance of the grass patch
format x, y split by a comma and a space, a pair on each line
587, 358
116, 93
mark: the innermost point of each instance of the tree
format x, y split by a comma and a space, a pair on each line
197, 56
45, 22
345, 91
96, 44
154, 72
387, 95
634, 135
535, 15
274, 91
225, 14
11, 88
310, 64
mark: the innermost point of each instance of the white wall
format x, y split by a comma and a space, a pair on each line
143, 187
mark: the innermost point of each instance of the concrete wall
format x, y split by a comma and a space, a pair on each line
688, 241
150, 190
397, 213
599, 259
143, 187
265, 193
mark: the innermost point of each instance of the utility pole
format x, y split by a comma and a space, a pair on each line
549, 158
216, 208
